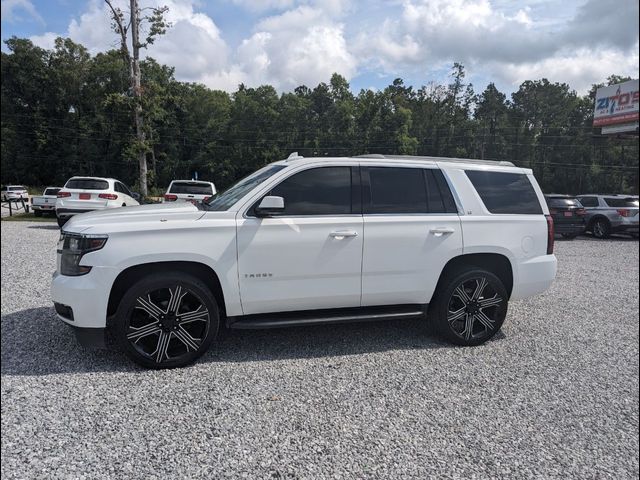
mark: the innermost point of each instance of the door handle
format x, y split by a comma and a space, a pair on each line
341, 234
438, 232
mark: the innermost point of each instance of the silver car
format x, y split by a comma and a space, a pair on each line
607, 214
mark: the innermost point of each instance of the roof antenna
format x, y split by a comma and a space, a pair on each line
294, 155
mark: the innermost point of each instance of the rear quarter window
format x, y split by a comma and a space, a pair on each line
503, 192
87, 184
621, 202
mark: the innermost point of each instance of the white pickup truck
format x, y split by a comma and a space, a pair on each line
45, 202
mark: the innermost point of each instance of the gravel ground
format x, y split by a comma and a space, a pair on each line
553, 396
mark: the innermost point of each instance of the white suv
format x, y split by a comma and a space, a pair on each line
193, 191
305, 241
87, 194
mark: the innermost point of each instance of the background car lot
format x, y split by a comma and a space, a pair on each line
555, 395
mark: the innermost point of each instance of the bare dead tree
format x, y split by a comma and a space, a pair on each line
153, 19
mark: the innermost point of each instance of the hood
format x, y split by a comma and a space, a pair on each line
141, 217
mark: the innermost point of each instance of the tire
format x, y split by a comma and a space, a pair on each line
601, 228
569, 236
61, 221
452, 314
151, 329
37, 213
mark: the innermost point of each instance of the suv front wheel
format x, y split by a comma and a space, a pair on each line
469, 307
166, 321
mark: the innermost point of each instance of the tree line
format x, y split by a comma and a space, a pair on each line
65, 112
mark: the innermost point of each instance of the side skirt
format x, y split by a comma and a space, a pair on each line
329, 316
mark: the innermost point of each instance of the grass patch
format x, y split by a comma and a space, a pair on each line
28, 217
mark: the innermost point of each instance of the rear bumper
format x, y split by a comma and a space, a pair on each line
48, 208
569, 228
69, 212
534, 276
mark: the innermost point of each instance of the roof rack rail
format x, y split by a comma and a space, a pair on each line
436, 159
294, 155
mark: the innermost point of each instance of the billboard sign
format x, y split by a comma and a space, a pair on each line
617, 104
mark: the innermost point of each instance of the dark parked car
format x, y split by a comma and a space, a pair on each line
568, 215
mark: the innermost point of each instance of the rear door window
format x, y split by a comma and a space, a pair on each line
396, 190
87, 184
502, 192
191, 188
589, 201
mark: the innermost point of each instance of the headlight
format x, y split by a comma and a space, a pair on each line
72, 247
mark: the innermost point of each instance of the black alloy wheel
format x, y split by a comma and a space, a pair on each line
470, 307
167, 322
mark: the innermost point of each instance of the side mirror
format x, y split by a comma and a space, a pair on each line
270, 205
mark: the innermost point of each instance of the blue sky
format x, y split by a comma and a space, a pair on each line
286, 43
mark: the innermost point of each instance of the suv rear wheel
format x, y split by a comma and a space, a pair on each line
601, 228
166, 322
469, 307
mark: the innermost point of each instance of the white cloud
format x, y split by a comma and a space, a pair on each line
193, 45
9, 10
263, 5
580, 69
47, 40
300, 46
307, 40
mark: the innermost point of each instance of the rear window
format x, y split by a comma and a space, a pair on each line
16, 189
191, 188
504, 192
51, 191
562, 202
621, 202
87, 184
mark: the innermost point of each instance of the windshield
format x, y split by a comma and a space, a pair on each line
87, 184
225, 200
563, 202
193, 188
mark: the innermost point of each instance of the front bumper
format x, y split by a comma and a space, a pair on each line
87, 296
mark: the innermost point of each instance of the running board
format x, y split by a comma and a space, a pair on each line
321, 317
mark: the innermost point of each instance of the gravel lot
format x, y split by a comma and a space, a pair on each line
554, 396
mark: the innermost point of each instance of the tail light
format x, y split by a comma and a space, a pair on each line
624, 212
108, 196
551, 233
206, 199
63, 194
170, 198
581, 211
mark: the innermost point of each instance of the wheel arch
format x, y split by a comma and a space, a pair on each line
134, 273
496, 263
